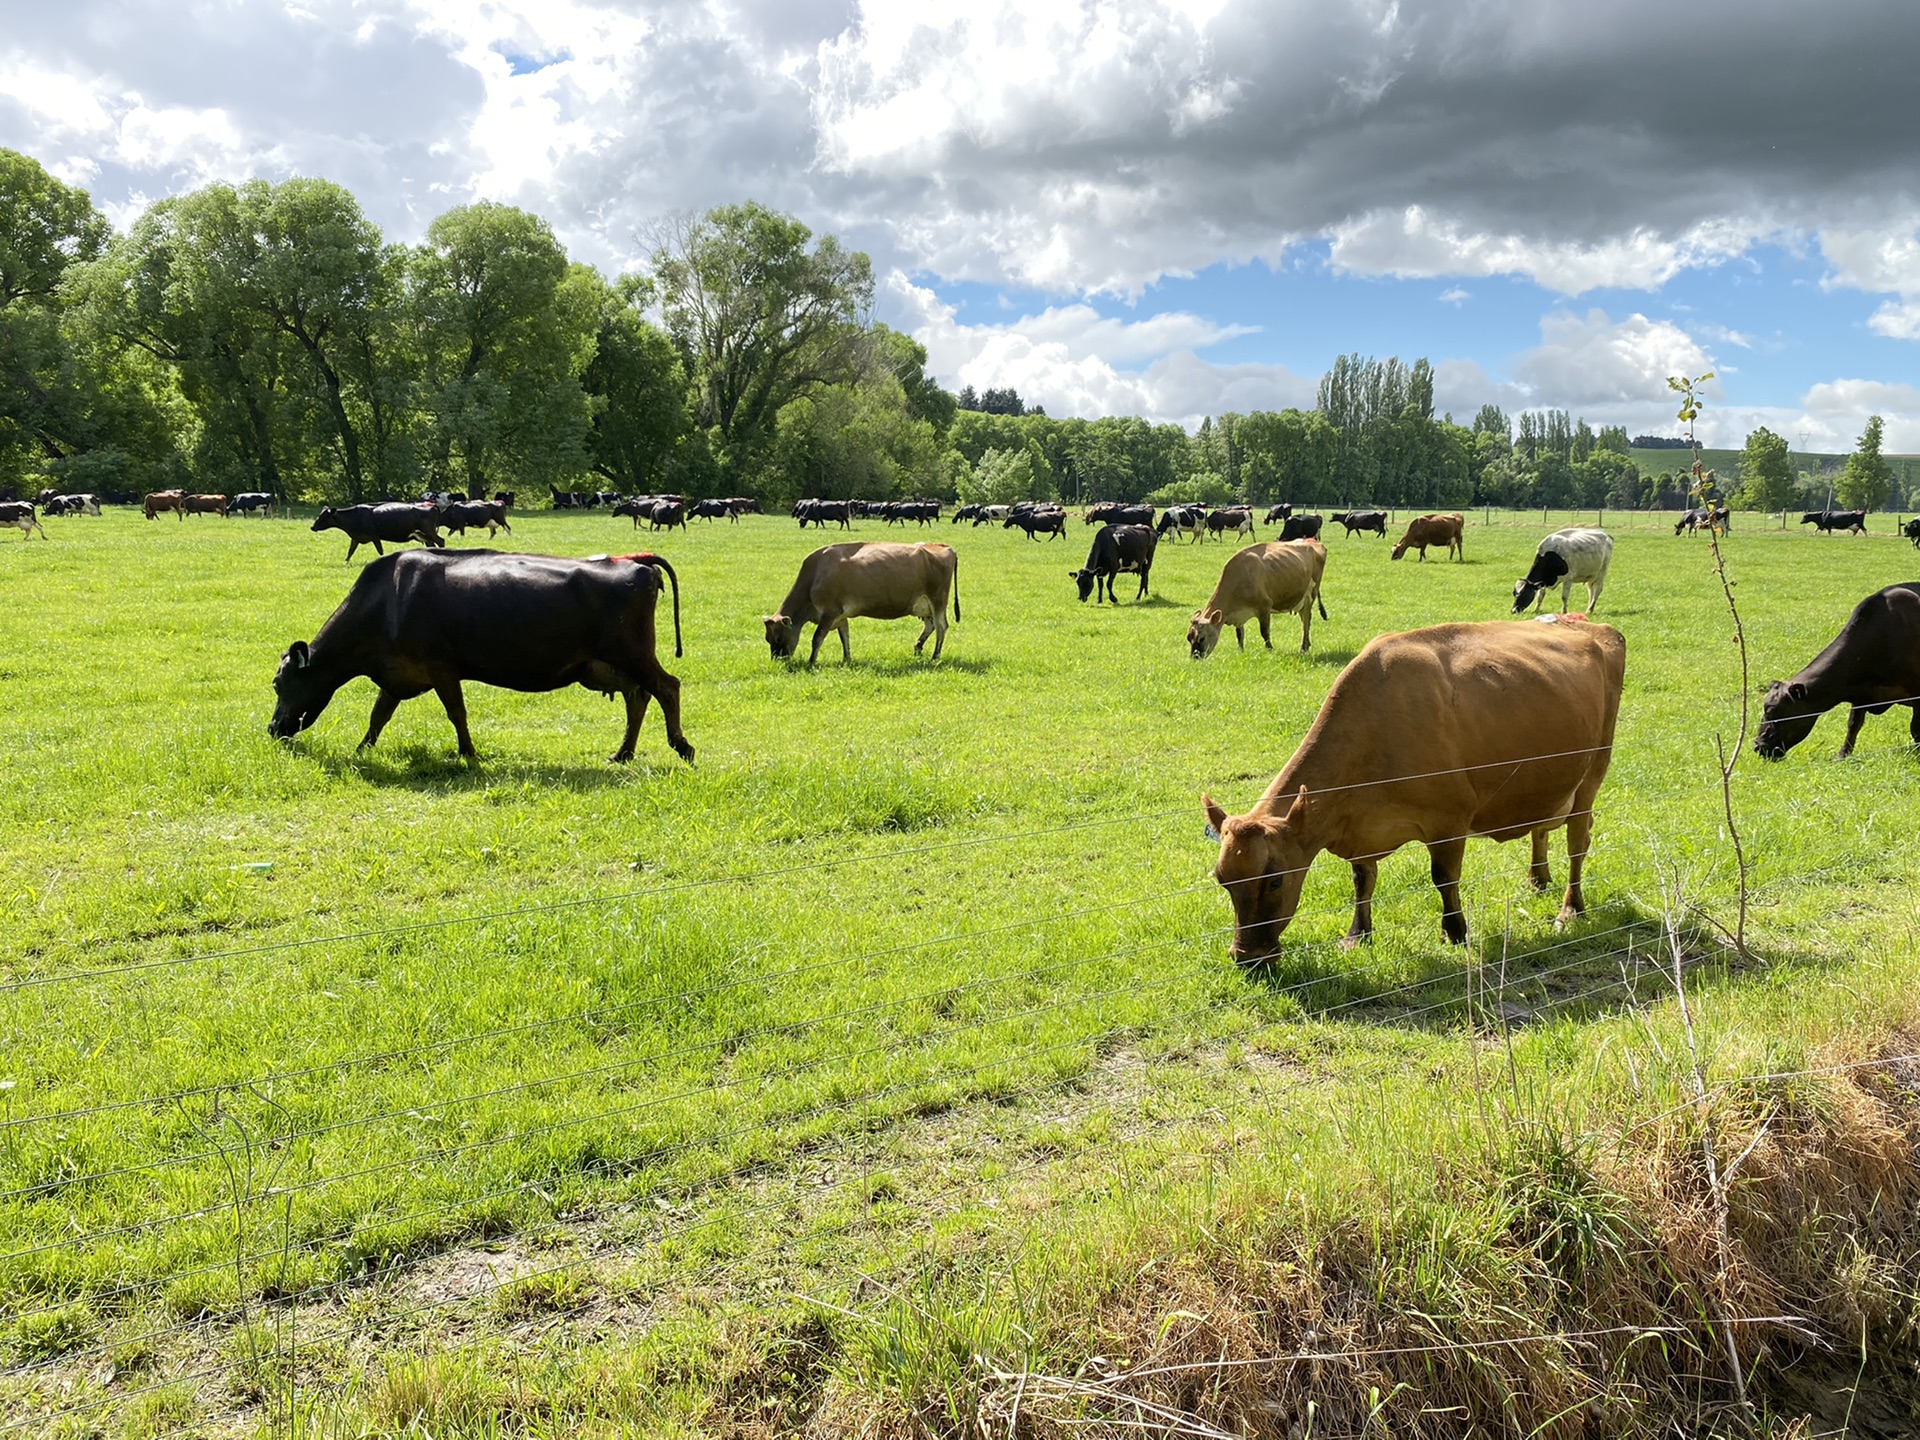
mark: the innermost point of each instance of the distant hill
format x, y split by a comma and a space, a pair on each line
1726, 462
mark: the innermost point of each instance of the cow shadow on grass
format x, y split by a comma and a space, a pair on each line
1614, 958
905, 665
430, 769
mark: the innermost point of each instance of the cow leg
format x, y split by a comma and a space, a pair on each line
927, 628
456, 703
352, 545
1266, 628
1143, 586
1856, 717
1579, 835
820, 629
1240, 635
1446, 857
1366, 874
1539, 872
939, 630
384, 705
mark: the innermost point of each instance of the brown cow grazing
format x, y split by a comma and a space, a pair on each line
163, 500
880, 580
203, 505
1260, 581
1447, 530
428, 620
1501, 729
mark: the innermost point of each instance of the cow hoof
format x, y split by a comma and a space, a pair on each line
1354, 942
684, 749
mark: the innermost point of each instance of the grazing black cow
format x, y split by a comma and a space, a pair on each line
744, 505
1828, 521
1358, 520
822, 513
19, 515
1690, 521
1117, 549
1300, 527
421, 622
372, 524
711, 510
968, 512
1037, 521
1278, 513
463, 513
1872, 665
1118, 512
1912, 531
248, 501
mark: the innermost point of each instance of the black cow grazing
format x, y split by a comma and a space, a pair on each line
667, 514
1037, 522
744, 505
20, 515
1872, 665
1117, 550
641, 509
967, 512
464, 513
713, 510
249, 501
1854, 521
1183, 519
1278, 513
1689, 521
421, 622
1303, 527
1912, 531
1116, 512
823, 513
1358, 520
372, 524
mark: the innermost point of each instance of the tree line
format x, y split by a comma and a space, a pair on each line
268, 337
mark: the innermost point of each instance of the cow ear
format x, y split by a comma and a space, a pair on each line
1215, 617
1797, 691
1297, 812
1216, 817
297, 653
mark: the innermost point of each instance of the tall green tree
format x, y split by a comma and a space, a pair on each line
760, 319
74, 407
1766, 472
1868, 479
643, 437
505, 327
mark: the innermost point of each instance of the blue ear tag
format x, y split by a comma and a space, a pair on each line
1211, 833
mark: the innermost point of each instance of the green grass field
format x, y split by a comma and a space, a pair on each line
547, 1095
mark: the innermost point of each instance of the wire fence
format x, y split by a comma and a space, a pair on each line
723, 1130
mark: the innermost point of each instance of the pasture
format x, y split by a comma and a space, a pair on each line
898, 1030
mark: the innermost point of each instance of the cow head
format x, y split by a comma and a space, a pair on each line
1086, 580
1787, 717
1399, 549
783, 636
1262, 865
302, 695
1203, 632
325, 520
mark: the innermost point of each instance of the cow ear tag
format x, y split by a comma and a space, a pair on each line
1211, 833
596, 557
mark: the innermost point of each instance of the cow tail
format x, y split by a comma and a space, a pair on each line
956, 587
647, 557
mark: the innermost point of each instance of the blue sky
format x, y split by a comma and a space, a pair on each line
1159, 207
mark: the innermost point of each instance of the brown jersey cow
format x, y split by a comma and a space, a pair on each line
1260, 581
163, 500
203, 505
878, 579
1501, 729
1447, 530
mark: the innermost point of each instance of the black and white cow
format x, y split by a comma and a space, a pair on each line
1576, 555
20, 515
1231, 520
248, 501
1300, 527
1912, 531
